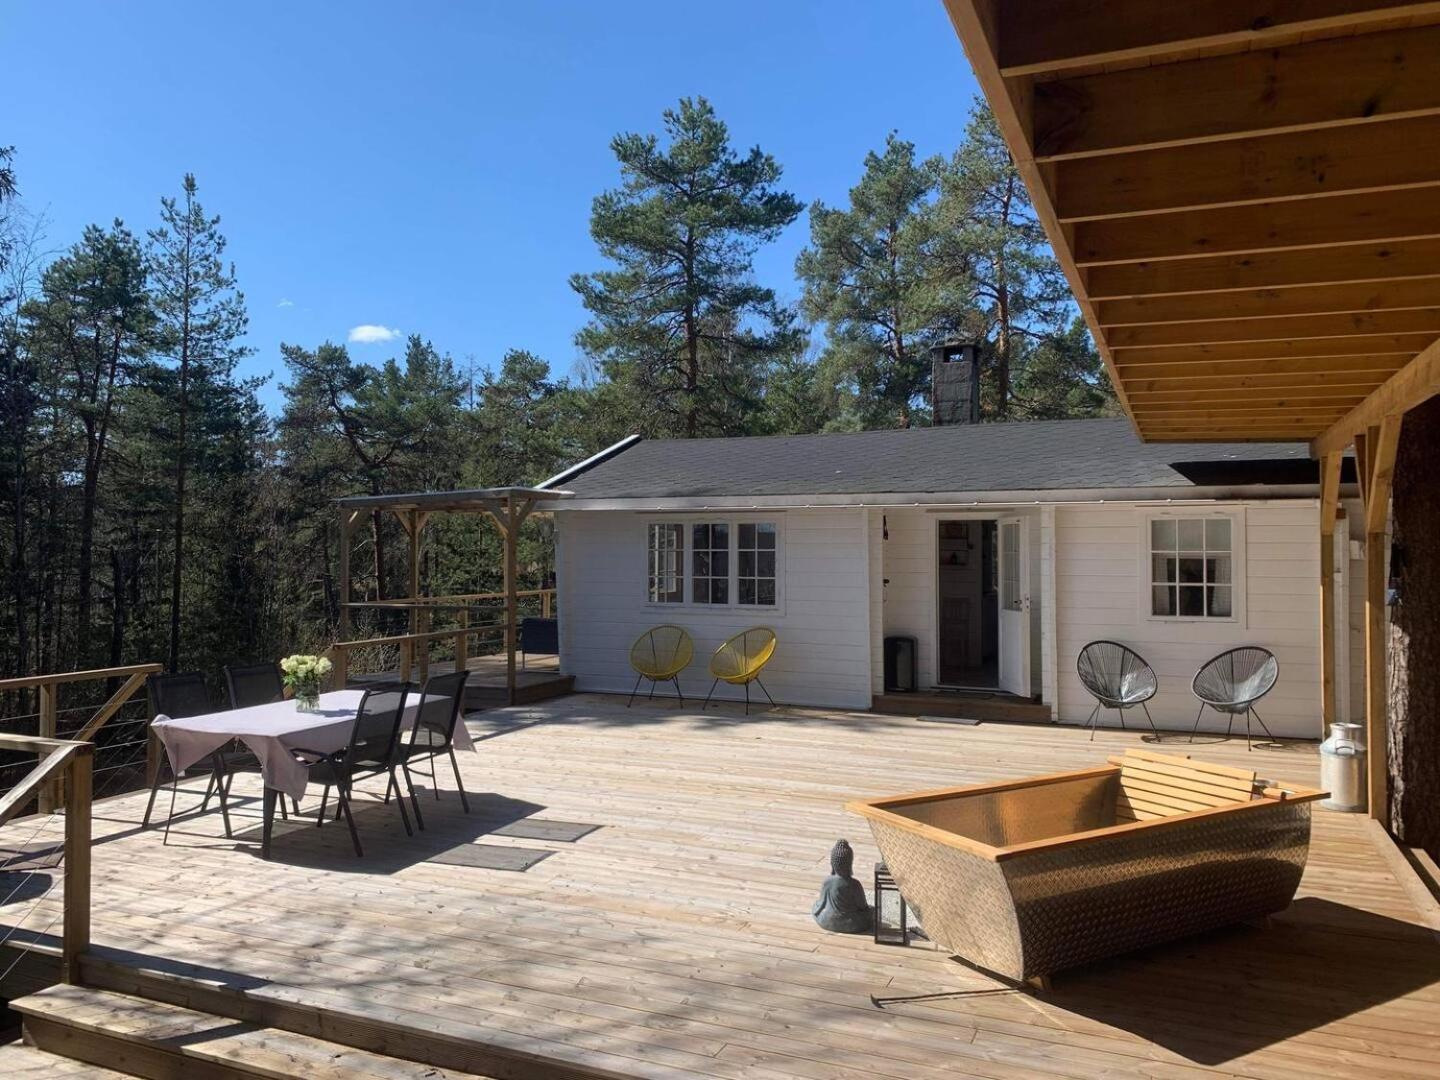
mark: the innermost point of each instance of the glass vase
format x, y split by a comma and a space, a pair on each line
307, 698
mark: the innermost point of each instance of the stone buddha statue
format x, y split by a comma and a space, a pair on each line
841, 907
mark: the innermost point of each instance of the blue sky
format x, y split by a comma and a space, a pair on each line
429, 167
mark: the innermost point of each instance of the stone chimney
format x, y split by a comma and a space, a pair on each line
955, 383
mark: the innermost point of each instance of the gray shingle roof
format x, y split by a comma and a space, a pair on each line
1037, 456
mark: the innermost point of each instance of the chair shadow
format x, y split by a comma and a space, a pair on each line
387, 848
1223, 995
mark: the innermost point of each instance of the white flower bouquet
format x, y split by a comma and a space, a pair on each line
303, 675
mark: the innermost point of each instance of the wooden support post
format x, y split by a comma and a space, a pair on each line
547, 603
1376, 455
1375, 735
342, 656
48, 798
512, 537
76, 940
1329, 509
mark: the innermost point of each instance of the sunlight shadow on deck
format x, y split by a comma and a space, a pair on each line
1224, 995
388, 850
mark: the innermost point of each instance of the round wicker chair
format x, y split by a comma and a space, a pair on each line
1118, 678
660, 654
1232, 682
740, 660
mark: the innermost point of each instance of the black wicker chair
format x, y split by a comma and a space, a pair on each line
179, 696
254, 684
373, 749
1118, 678
441, 703
1232, 682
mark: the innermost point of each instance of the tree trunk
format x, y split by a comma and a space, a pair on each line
1414, 645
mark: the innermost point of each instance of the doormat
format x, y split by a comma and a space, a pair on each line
491, 857
564, 832
964, 720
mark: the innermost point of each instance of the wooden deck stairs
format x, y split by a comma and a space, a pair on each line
151, 1018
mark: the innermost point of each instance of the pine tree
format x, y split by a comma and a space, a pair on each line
678, 322
989, 238
870, 274
201, 321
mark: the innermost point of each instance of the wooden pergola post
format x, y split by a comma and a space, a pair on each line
512, 537
1329, 512
342, 655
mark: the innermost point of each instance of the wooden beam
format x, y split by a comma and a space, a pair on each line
1413, 384
1190, 362
1274, 381
341, 660
1330, 466
1406, 214
1286, 328
126, 691
1278, 269
1242, 403
1314, 420
1056, 35
1257, 396
1381, 443
1348, 297
1300, 165
48, 799
1307, 85
50, 765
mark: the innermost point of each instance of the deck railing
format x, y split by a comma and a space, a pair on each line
49, 712
73, 762
414, 647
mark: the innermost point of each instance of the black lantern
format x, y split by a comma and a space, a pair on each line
890, 913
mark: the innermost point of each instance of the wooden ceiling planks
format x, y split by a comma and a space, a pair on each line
1243, 194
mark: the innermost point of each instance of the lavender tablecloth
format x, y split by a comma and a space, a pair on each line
272, 731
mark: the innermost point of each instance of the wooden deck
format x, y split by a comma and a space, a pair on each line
676, 939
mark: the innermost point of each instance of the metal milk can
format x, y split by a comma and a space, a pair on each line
1342, 768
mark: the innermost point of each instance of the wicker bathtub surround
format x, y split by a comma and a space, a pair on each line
1030, 877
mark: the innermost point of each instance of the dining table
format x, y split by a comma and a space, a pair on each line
272, 732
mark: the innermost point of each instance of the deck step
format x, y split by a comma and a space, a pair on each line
21, 1062
166, 1042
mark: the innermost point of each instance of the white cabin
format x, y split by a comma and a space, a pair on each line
1000, 550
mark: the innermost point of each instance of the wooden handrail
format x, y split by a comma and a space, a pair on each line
429, 635
445, 601
26, 682
75, 761
407, 643
48, 686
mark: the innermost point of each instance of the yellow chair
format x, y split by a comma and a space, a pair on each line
660, 655
740, 660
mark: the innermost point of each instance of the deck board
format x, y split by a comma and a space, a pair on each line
676, 939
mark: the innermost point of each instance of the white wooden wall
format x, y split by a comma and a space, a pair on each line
824, 653
1098, 585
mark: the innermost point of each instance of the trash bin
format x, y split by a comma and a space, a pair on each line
899, 664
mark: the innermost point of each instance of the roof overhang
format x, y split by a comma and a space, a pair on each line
473, 500
1245, 198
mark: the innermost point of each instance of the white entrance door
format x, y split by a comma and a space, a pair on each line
1014, 606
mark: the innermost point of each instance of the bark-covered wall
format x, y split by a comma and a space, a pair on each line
1414, 654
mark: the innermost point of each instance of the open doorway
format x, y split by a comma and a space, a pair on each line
968, 615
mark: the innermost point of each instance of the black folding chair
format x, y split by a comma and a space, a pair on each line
251, 684
373, 749
441, 703
179, 696
254, 684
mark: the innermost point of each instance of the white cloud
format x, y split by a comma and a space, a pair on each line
371, 333
286, 303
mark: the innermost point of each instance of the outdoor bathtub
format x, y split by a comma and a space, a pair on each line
1033, 876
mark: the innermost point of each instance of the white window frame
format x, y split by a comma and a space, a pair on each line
1236, 517
652, 571
687, 521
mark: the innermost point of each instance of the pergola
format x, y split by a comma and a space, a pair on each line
1245, 198
507, 507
